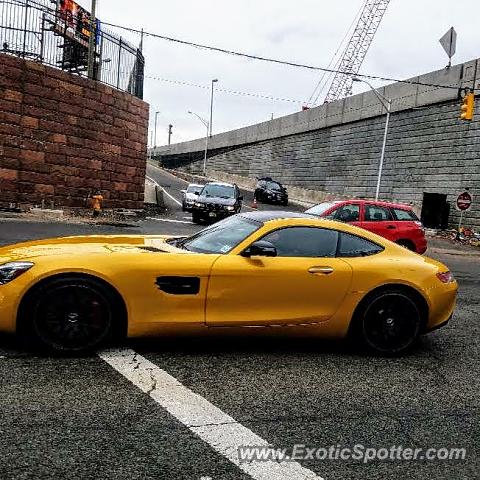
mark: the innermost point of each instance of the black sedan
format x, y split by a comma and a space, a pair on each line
271, 191
216, 201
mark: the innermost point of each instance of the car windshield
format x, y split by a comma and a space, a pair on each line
274, 186
221, 191
321, 208
220, 237
193, 188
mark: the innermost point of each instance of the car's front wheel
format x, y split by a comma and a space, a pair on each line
389, 322
69, 315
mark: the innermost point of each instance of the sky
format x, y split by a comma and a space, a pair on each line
301, 31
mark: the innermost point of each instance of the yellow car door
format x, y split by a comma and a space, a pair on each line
303, 284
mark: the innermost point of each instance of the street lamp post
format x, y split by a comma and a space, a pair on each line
206, 141
215, 80
155, 131
387, 104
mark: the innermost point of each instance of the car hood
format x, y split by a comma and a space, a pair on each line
92, 244
217, 200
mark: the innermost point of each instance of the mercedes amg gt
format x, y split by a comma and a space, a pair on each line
295, 272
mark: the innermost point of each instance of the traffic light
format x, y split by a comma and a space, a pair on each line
468, 107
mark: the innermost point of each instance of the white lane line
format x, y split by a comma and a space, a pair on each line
164, 191
152, 180
222, 432
168, 173
168, 220
173, 198
163, 188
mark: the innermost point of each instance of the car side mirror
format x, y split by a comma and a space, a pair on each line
196, 193
260, 248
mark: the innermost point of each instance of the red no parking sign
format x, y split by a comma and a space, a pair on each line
464, 201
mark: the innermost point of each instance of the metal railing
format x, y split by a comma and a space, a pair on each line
39, 30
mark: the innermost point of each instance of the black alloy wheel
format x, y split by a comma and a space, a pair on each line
71, 315
390, 322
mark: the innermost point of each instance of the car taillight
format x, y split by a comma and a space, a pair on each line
420, 225
445, 277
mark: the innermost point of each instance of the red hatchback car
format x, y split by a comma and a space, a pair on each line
394, 221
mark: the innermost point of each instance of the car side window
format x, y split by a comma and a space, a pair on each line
304, 242
374, 213
350, 245
405, 215
346, 213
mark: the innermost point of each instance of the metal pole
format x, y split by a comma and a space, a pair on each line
211, 106
460, 222
155, 131
92, 40
25, 29
384, 146
119, 62
205, 154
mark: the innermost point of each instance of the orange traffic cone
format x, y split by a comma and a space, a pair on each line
254, 203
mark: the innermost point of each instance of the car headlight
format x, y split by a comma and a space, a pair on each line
198, 204
231, 208
10, 271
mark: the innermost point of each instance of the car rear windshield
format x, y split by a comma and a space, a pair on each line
405, 215
221, 237
221, 191
321, 208
274, 186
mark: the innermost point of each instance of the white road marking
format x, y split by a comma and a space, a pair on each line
170, 196
168, 220
163, 188
222, 432
150, 179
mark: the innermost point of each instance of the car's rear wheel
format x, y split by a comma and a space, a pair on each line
69, 315
389, 322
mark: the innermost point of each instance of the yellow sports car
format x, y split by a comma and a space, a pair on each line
294, 272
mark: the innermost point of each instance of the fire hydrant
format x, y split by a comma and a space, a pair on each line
97, 200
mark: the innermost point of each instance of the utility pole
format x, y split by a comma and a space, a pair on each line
92, 40
170, 133
205, 153
387, 105
215, 80
155, 131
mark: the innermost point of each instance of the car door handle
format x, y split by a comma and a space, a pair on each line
391, 227
323, 270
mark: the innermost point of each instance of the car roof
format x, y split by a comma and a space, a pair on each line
401, 206
223, 184
195, 185
268, 179
269, 215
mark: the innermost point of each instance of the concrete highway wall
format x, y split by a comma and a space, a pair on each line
334, 149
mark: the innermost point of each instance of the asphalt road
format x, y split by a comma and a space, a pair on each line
79, 418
